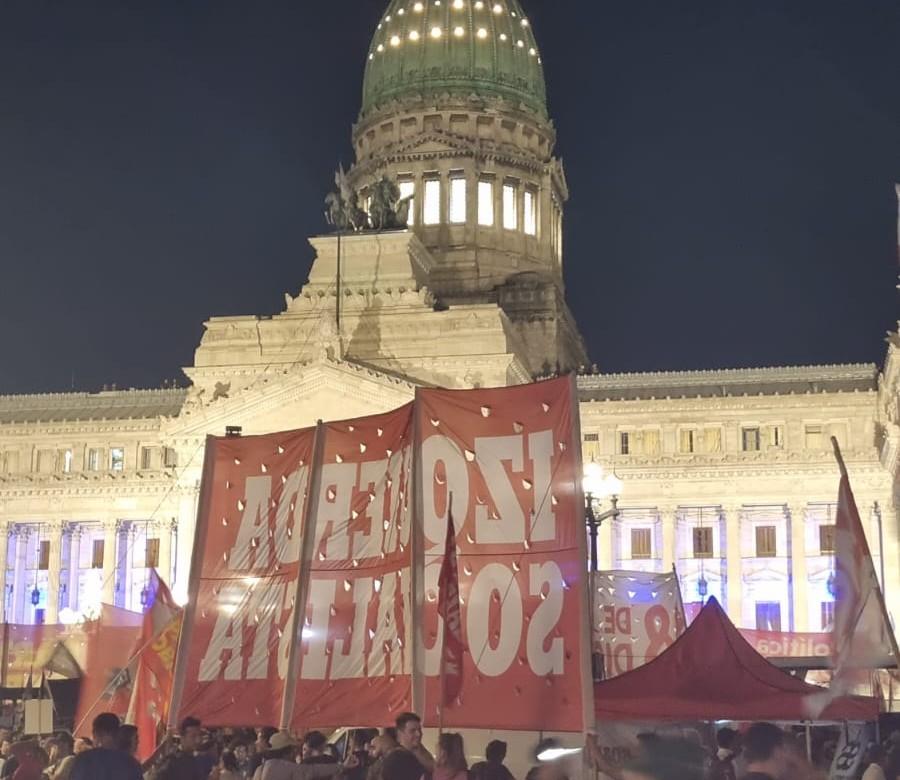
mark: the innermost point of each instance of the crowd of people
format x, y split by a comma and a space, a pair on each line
763, 752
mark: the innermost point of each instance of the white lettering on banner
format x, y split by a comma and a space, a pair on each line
509, 523
332, 522
287, 523
545, 618
321, 598
384, 643
439, 449
494, 659
543, 524
350, 664
433, 651
254, 530
367, 544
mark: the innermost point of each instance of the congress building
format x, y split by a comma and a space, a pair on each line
726, 475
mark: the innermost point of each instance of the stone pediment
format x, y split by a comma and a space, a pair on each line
287, 399
435, 142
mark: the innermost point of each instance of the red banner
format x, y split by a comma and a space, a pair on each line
356, 662
244, 577
510, 459
450, 613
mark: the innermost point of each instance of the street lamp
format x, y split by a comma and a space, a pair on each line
597, 487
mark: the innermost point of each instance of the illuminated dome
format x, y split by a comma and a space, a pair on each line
463, 47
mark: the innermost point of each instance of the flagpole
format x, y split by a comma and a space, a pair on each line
304, 564
417, 564
190, 609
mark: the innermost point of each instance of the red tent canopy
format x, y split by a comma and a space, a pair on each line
711, 673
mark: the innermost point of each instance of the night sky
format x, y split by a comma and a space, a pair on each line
731, 167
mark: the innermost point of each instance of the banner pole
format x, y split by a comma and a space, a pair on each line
190, 609
304, 563
587, 590
417, 564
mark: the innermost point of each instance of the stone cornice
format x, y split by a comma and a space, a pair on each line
108, 405
87, 478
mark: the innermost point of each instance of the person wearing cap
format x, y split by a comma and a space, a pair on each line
279, 761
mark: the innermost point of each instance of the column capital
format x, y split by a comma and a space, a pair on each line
110, 524
796, 508
731, 508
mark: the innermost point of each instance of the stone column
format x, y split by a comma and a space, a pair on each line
165, 551
797, 569
734, 561
606, 552
186, 523
53, 573
110, 532
21, 588
74, 564
4, 547
668, 517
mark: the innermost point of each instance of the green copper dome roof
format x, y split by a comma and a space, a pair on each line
482, 47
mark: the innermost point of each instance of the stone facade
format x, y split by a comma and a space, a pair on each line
727, 474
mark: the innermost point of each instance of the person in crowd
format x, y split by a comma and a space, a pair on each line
892, 761
379, 748
409, 737
317, 761
765, 752
127, 739
667, 759
182, 764
227, 768
450, 763
105, 761
5, 755
82, 744
722, 766
402, 765
279, 763
492, 768
10, 762
261, 747
242, 756
357, 762
873, 761
32, 760
62, 758
207, 755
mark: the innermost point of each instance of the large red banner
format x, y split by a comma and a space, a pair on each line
237, 633
510, 460
356, 662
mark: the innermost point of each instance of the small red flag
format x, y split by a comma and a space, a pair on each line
448, 609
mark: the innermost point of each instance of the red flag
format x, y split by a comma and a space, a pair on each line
862, 637
155, 653
448, 609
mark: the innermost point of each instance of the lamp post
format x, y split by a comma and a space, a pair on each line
597, 487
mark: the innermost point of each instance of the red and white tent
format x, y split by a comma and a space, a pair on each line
712, 673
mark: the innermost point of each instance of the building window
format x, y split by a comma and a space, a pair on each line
486, 203
765, 541
592, 437
827, 614
457, 200
777, 436
146, 457
641, 545
171, 458
151, 553
703, 542
44, 555
510, 207
768, 616
67, 461
94, 460
750, 439
117, 459
813, 438
624, 443
529, 207
687, 441
97, 554
431, 210
826, 539
408, 190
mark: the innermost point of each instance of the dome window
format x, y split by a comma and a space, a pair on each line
436, 32
457, 199
486, 202
431, 207
510, 206
408, 190
529, 209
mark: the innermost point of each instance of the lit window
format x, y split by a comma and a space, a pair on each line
457, 199
408, 190
67, 461
703, 542
624, 443
520, 43
395, 40
418, 8
826, 539
146, 458
482, 33
641, 543
151, 553
117, 459
97, 554
750, 439
510, 210
458, 4
44, 555
530, 215
766, 541
479, 5
93, 460
414, 35
486, 203
503, 36
436, 32
431, 213
459, 32
498, 9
